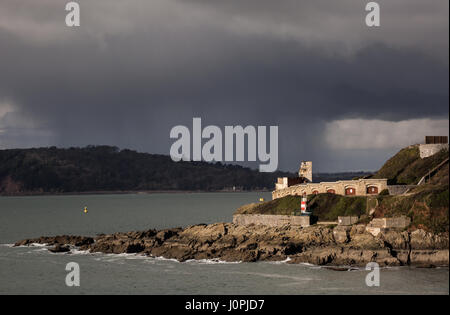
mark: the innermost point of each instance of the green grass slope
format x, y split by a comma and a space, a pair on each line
428, 207
406, 167
282, 206
325, 207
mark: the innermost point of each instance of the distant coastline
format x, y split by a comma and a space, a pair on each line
128, 192
109, 170
106, 169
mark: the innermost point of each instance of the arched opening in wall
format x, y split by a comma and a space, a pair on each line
350, 191
372, 190
331, 191
315, 192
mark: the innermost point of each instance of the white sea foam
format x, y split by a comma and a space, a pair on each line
160, 258
7, 245
38, 245
213, 261
123, 255
279, 262
31, 245
116, 257
130, 256
75, 251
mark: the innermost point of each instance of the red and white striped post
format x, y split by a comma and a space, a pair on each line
303, 204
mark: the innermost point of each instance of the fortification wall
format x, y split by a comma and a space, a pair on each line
427, 150
358, 187
271, 220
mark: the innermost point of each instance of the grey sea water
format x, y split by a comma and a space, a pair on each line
34, 270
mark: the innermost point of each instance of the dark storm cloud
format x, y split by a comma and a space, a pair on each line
132, 72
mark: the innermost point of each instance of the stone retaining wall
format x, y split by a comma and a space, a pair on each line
347, 220
377, 225
399, 189
271, 220
397, 222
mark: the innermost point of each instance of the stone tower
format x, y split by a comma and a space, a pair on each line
305, 170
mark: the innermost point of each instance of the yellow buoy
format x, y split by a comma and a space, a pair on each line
85, 210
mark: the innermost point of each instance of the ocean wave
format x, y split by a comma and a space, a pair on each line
280, 276
130, 256
7, 245
213, 261
75, 251
32, 245
119, 258
279, 262
160, 258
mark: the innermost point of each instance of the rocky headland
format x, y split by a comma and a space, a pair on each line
319, 245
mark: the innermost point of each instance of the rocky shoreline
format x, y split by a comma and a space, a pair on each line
319, 245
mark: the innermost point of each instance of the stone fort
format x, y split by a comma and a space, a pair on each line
303, 184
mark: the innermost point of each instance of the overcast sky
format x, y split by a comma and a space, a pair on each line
344, 95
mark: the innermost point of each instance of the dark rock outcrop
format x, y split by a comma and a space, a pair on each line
315, 244
59, 249
78, 241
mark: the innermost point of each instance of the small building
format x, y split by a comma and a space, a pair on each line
285, 182
304, 176
436, 139
433, 145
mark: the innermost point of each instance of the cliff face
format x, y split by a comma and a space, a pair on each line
228, 242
